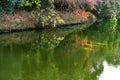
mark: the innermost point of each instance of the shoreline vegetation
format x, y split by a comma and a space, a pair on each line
25, 22
40, 14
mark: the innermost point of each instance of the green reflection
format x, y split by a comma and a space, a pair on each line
58, 54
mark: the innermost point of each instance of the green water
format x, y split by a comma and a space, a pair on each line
59, 54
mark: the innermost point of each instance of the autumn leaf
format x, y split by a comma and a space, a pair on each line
77, 16
84, 41
85, 15
77, 13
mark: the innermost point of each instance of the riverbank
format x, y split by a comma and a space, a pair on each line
23, 20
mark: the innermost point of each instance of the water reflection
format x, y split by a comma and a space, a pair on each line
110, 72
55, 55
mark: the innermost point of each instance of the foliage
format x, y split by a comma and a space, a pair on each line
51, 3
79, 8
113, 21
79, 13
1, 13
9, 5
38, 3
102, 8
47, 3
31, 3
49, 17
26, 3
107, 25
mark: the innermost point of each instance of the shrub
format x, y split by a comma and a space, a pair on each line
103, 7
9, 5
108, 25
1, 13
38, 3
49, 18
47, 3
51, 3
31, 3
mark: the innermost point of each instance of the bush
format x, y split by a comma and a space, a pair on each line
9, 5
31, 3
103, 7
1, 13
49, 18
38, 3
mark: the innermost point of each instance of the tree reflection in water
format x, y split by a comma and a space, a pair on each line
77, 56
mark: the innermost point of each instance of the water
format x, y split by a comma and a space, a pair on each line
110, 72
61, 54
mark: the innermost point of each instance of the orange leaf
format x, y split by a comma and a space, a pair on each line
85, 14
84, 41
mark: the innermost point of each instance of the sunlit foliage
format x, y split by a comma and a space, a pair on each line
31, 3
49, 17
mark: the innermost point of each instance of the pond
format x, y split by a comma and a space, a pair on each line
61, 54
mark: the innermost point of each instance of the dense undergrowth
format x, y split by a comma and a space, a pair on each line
100, 8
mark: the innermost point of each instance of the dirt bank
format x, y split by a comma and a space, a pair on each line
22, 19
